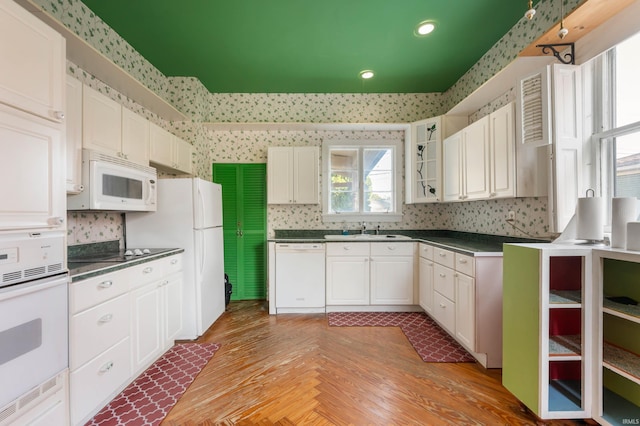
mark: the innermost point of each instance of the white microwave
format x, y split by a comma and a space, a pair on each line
111, 183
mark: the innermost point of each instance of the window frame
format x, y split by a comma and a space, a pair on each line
360, 145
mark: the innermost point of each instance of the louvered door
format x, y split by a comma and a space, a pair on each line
244, 226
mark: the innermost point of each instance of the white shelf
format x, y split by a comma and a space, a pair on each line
565, 348
627, 312
622, 362
565, 299
302, 126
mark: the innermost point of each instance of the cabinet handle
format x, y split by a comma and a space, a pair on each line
105, 284
107, 367
174, 261
493, 194
59, 115
391, 248
462, 261
441, 254
105, 318
443, 275
442, 305
147, 270
346, 248
430, 264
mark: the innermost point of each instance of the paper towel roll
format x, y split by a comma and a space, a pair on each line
623, 210
590, 218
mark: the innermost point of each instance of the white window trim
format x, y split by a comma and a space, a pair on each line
396, 146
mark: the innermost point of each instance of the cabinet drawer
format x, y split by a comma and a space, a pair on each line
172, 264
392, 249
92, 291
444, 257
465, 264
426, 251
347, 249
444, 312
92, 384
443, 281
145, 273
97, 329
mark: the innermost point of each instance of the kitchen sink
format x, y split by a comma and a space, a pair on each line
365, 237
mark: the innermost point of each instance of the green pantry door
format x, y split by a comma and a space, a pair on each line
244, 207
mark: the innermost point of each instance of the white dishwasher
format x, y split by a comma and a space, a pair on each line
299, 275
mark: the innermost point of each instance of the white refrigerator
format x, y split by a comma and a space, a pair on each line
189, 216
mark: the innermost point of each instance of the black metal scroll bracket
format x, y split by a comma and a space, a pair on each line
567, 58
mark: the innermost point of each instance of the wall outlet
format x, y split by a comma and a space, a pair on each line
511, 216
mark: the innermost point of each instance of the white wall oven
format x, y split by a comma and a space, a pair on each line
33, 314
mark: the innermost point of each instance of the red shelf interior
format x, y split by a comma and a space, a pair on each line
563, 322
565, 273
565, 370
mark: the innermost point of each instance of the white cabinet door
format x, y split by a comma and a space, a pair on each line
172, 301
305, 175
425, 291
347, 280
280, 175
182, 153
392, 280
146, 315
160, 145
101, 122
465, 310
292, 175
502, 138
475, 160
73, 119
32, 73
34, 196
452, 168
135, 137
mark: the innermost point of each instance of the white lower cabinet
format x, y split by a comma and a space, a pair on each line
425, 277
120, 323
464, 295
370, 274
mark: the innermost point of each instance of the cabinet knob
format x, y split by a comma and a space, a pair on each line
105, 318
55, 221
493, 194
107, 367
441, 254
442, 275
462, 261
147, 270
391, 248
105, 284
174, 261
59, 115
442, 305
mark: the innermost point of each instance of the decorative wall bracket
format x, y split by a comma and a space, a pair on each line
567, 58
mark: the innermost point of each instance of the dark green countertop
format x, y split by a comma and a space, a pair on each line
463, 242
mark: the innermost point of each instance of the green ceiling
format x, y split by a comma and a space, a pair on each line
311, 46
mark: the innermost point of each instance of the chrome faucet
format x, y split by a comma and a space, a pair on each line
363, 229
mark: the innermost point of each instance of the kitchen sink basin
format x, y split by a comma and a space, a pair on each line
365, 237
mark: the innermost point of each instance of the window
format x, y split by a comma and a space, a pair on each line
618, 146
361, 181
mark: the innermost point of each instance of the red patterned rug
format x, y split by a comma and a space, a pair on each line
148, 399
431, 342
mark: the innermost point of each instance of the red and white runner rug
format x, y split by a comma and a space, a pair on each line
431, 342
148, 399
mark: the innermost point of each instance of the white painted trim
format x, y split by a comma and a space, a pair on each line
235, 127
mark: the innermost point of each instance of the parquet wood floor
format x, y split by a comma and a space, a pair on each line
296, 370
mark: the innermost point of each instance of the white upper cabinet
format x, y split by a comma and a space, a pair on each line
549, 140
292, 175
33, 60
502, 179
168, 151
424, 157
452, 173
112, 129
475, 160
101, 123
73, 119
135, 137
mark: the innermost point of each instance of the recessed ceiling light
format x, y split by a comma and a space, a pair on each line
425, 27
366, 74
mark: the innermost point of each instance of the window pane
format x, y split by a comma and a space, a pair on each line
627, 87
378, 202
378, 180
627, 173
344, 181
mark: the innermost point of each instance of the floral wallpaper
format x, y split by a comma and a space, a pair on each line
189, 96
